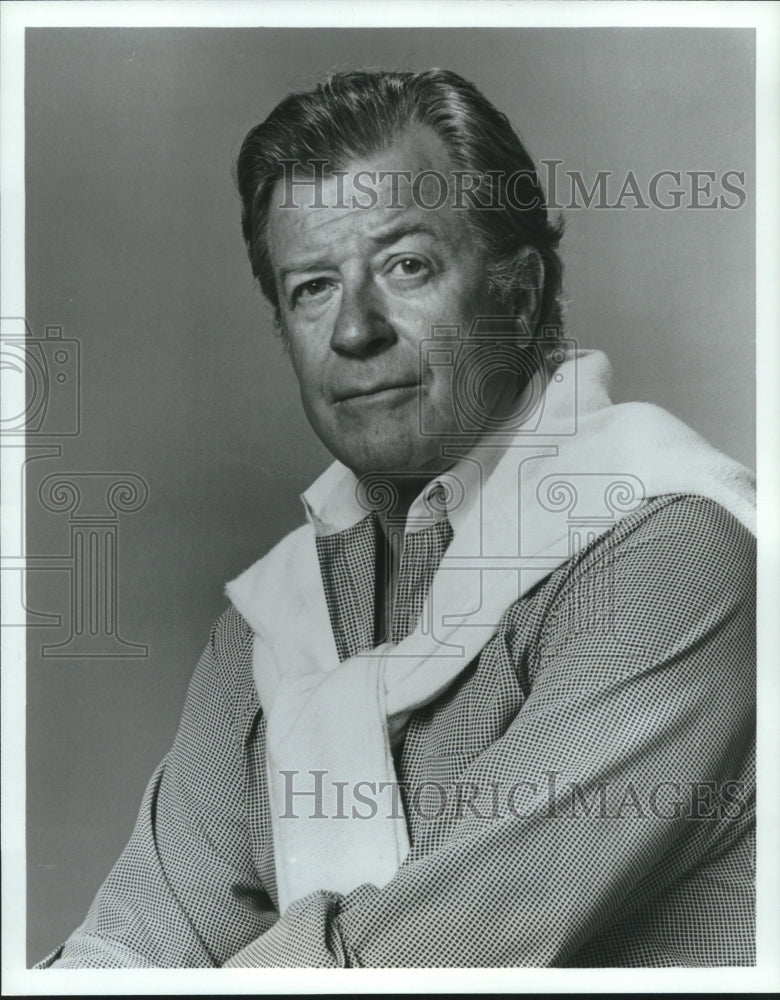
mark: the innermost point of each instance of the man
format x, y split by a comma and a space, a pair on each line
493, 703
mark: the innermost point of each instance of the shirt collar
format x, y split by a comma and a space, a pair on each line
338, 500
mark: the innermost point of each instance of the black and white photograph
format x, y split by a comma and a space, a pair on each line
384, 584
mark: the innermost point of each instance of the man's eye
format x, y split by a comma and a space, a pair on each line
316, 288
409, 267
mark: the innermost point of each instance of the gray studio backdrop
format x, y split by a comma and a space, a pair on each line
182, 437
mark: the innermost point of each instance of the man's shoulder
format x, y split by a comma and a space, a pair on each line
694, 532
687, 547
681, 566
670, 589
222, 680
230, 639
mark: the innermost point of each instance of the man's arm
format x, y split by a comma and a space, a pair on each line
185, 892
643, 682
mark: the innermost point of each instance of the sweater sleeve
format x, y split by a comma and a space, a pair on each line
185, 891
618, 786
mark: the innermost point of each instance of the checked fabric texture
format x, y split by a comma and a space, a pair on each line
582, 795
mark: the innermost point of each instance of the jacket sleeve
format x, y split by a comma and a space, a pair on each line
618, 779
185, 891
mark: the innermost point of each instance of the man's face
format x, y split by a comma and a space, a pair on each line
359, 291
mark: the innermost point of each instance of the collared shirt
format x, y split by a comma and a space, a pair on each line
353, 553
582, 795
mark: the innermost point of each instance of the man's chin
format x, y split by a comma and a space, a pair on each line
397, 457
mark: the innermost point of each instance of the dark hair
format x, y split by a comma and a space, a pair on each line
355, 114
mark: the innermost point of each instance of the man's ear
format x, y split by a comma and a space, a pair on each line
281, 330
530, 283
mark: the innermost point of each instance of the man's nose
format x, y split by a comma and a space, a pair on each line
362, 326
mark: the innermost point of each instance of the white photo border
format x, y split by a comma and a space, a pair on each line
765, 18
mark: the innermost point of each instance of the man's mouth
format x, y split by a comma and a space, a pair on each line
374, 391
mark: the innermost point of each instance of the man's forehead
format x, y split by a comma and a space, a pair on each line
413, 169
405, 186
377, 221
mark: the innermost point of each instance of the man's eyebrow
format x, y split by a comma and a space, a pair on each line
400, 230
303, 266
382, 239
